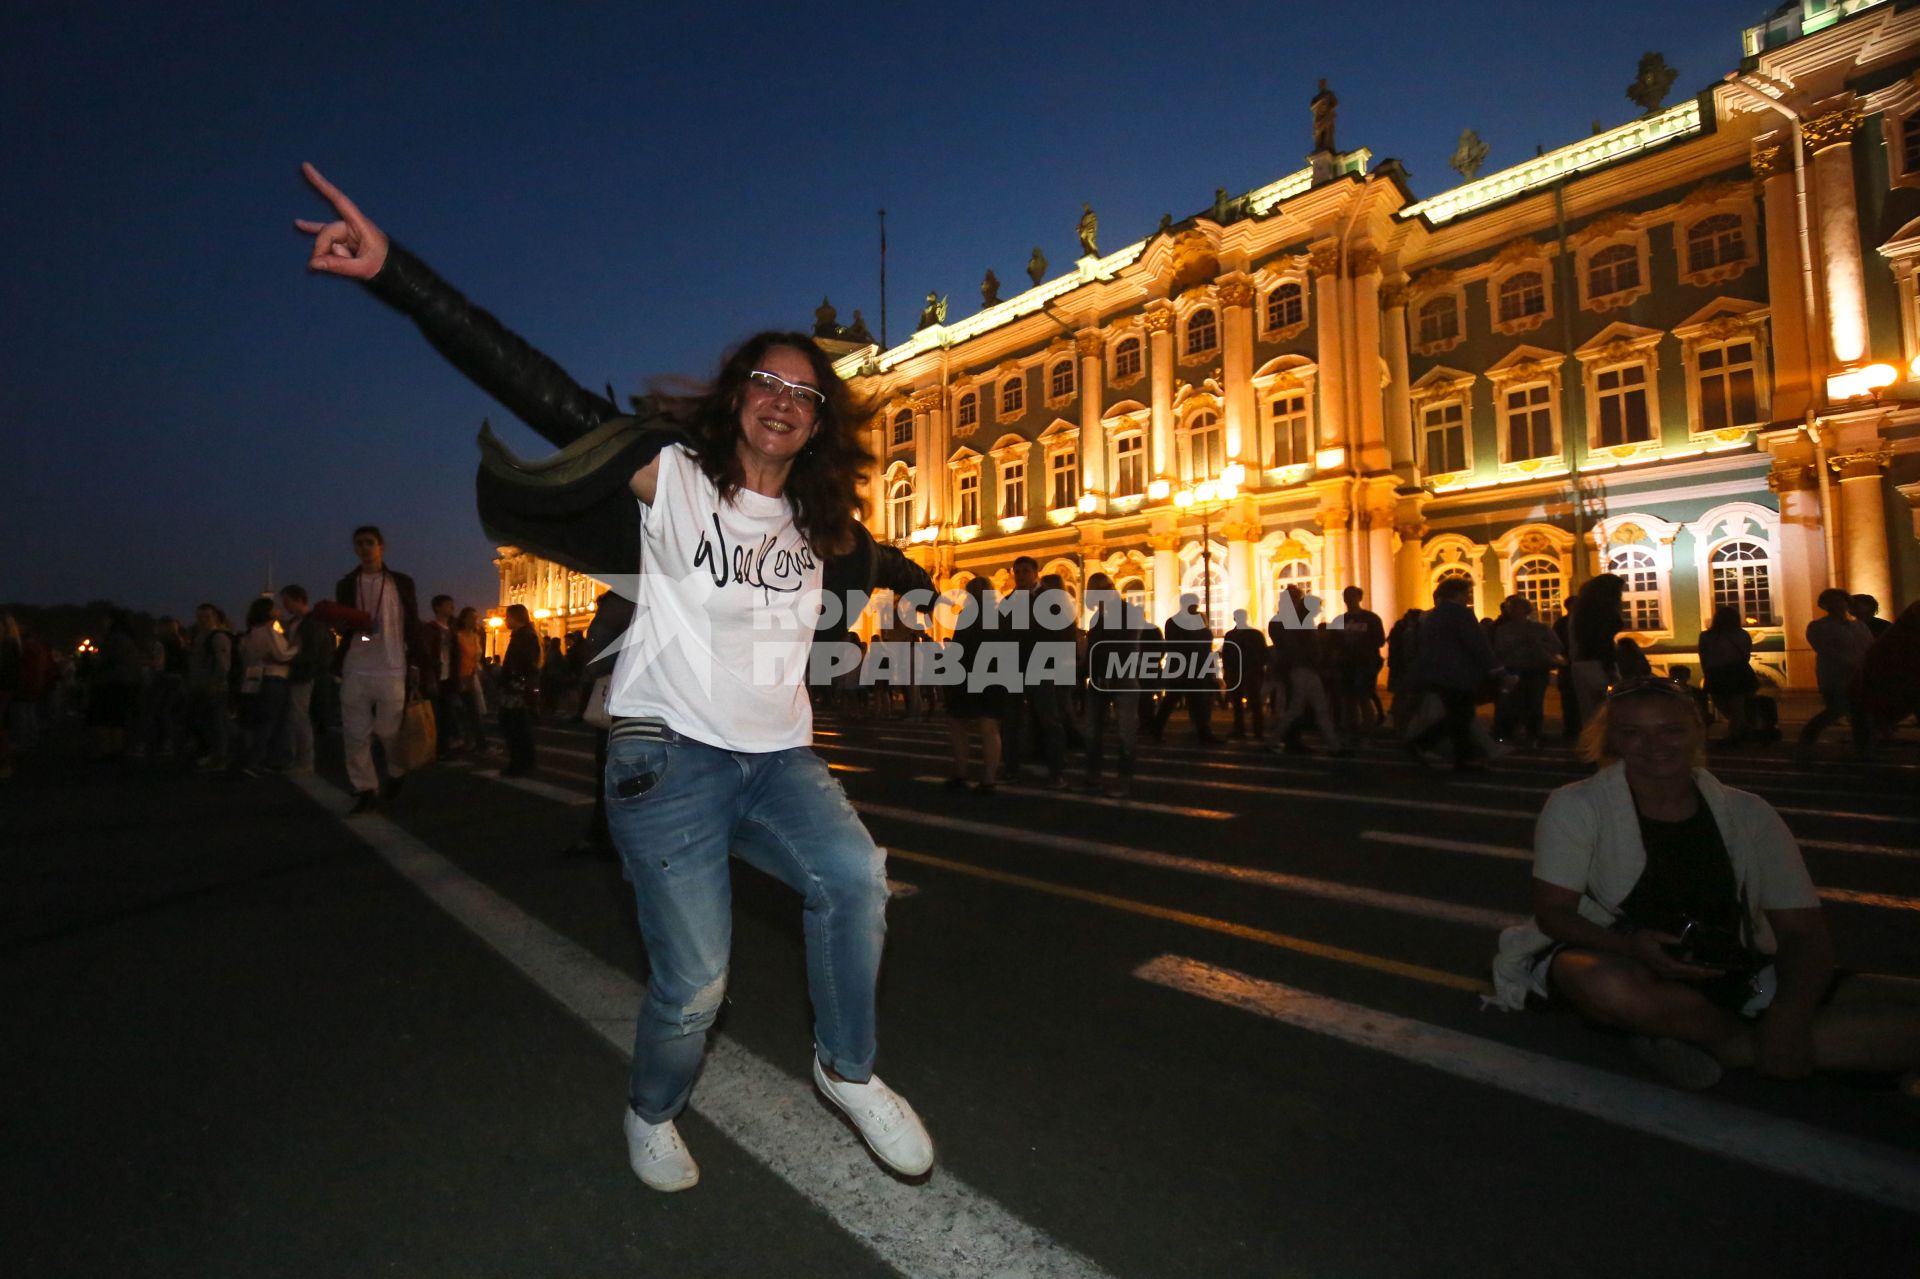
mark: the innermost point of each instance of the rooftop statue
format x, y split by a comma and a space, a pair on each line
1037, 265
990, 290
935, 312
1089, 227
858, 331
826, 321
1324, 105
1469, 155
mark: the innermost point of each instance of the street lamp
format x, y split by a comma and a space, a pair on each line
1209, 496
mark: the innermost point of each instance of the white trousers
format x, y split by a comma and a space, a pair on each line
371, 703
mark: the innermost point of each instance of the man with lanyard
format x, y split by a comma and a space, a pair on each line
375, 661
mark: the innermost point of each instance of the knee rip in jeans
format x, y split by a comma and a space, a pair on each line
705, 1002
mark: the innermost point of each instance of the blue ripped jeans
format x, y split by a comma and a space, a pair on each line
676, 809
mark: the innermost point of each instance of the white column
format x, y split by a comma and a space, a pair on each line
1795, 385
1863, 525
1329, 338
1369, 443
1093, 439
1399, 408
1803, 562
1166, 576
1830, 138
1159, 324
1236, 366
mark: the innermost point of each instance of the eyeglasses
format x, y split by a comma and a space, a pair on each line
1651, 686
775, 386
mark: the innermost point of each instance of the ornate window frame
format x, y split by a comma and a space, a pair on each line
1284, 375
898, 414
1270, 284
1060, 439
1607, 232
1011, 451
1122, 334
1636, 530
1520, 369
1010, 374
1052, 359
1900, 112
963, 395
1448, 554
1432, 286
1280, 548
1618, 346
1437, 388
1720, 199
1526, 542
964, 465
1739, 522
1188, 408
899, 476
1718, 324
1519, 258
1125, 427
1902, 253
1190, 354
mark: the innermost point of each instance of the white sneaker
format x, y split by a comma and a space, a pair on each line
658, 1156
886, 1122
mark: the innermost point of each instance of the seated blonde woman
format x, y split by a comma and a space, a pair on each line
1679, 910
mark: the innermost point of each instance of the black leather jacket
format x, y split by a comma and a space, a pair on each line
575, 508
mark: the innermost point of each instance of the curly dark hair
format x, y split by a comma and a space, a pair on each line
824, 485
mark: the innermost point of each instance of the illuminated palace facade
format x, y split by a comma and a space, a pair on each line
1685, 350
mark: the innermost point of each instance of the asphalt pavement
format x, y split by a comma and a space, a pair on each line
1230, 1025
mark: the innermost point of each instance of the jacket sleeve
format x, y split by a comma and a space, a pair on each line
532, 387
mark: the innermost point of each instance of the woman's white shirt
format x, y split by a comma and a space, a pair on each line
728, 594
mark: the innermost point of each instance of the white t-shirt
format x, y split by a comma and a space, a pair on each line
723, 619
383, 650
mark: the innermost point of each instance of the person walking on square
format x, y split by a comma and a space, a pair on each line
210, 656
1117, 639
1528, 648
521, 671
1726, 669
1593, 632
1189, 641
313, 643
708, 754
1456, 663
265, 654
1357, 662
1249, 673
378, 660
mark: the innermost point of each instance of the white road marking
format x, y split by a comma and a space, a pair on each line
533, 786
1402, 903
1873, 850
1777, 1145
943, 1229
1081, 797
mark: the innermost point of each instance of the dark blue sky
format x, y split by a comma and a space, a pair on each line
631, 186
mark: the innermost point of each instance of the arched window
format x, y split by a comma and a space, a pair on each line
1203, 332
1134, 591
1742, 576
1062, 380
1439, 320
1206, 441
903, 427
1640, 604
968, 411
1013, 396
1216, 602
1523, 294
1538, 579
1614, 269
1126, 358
1714, 241
1286, 306
1294, 573
900, 508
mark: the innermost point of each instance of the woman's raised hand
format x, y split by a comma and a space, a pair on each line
351, 246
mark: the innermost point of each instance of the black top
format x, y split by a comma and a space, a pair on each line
1688, 875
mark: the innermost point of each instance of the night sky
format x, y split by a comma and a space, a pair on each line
633, 188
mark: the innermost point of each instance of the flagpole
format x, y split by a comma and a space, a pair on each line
883, 279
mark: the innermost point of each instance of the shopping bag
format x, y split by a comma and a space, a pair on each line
419, 741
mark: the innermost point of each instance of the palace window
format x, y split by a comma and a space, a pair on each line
1292, 426
1742, 578
1529, 422
1640, 603
1203, 332
1013, 396
1130, 466
1013, 490
1728, 390
1443, 430
1133, 591
1539, 581
1910, 144
900, 508
1614, 269
1439, 320
1523, 294
902, 427
1126, 358
1064, 469
1455, 574
1060, 383
1620, 396
968, 492
1286, 306
1293, 573
968, 411
1206, 440
1714, 241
